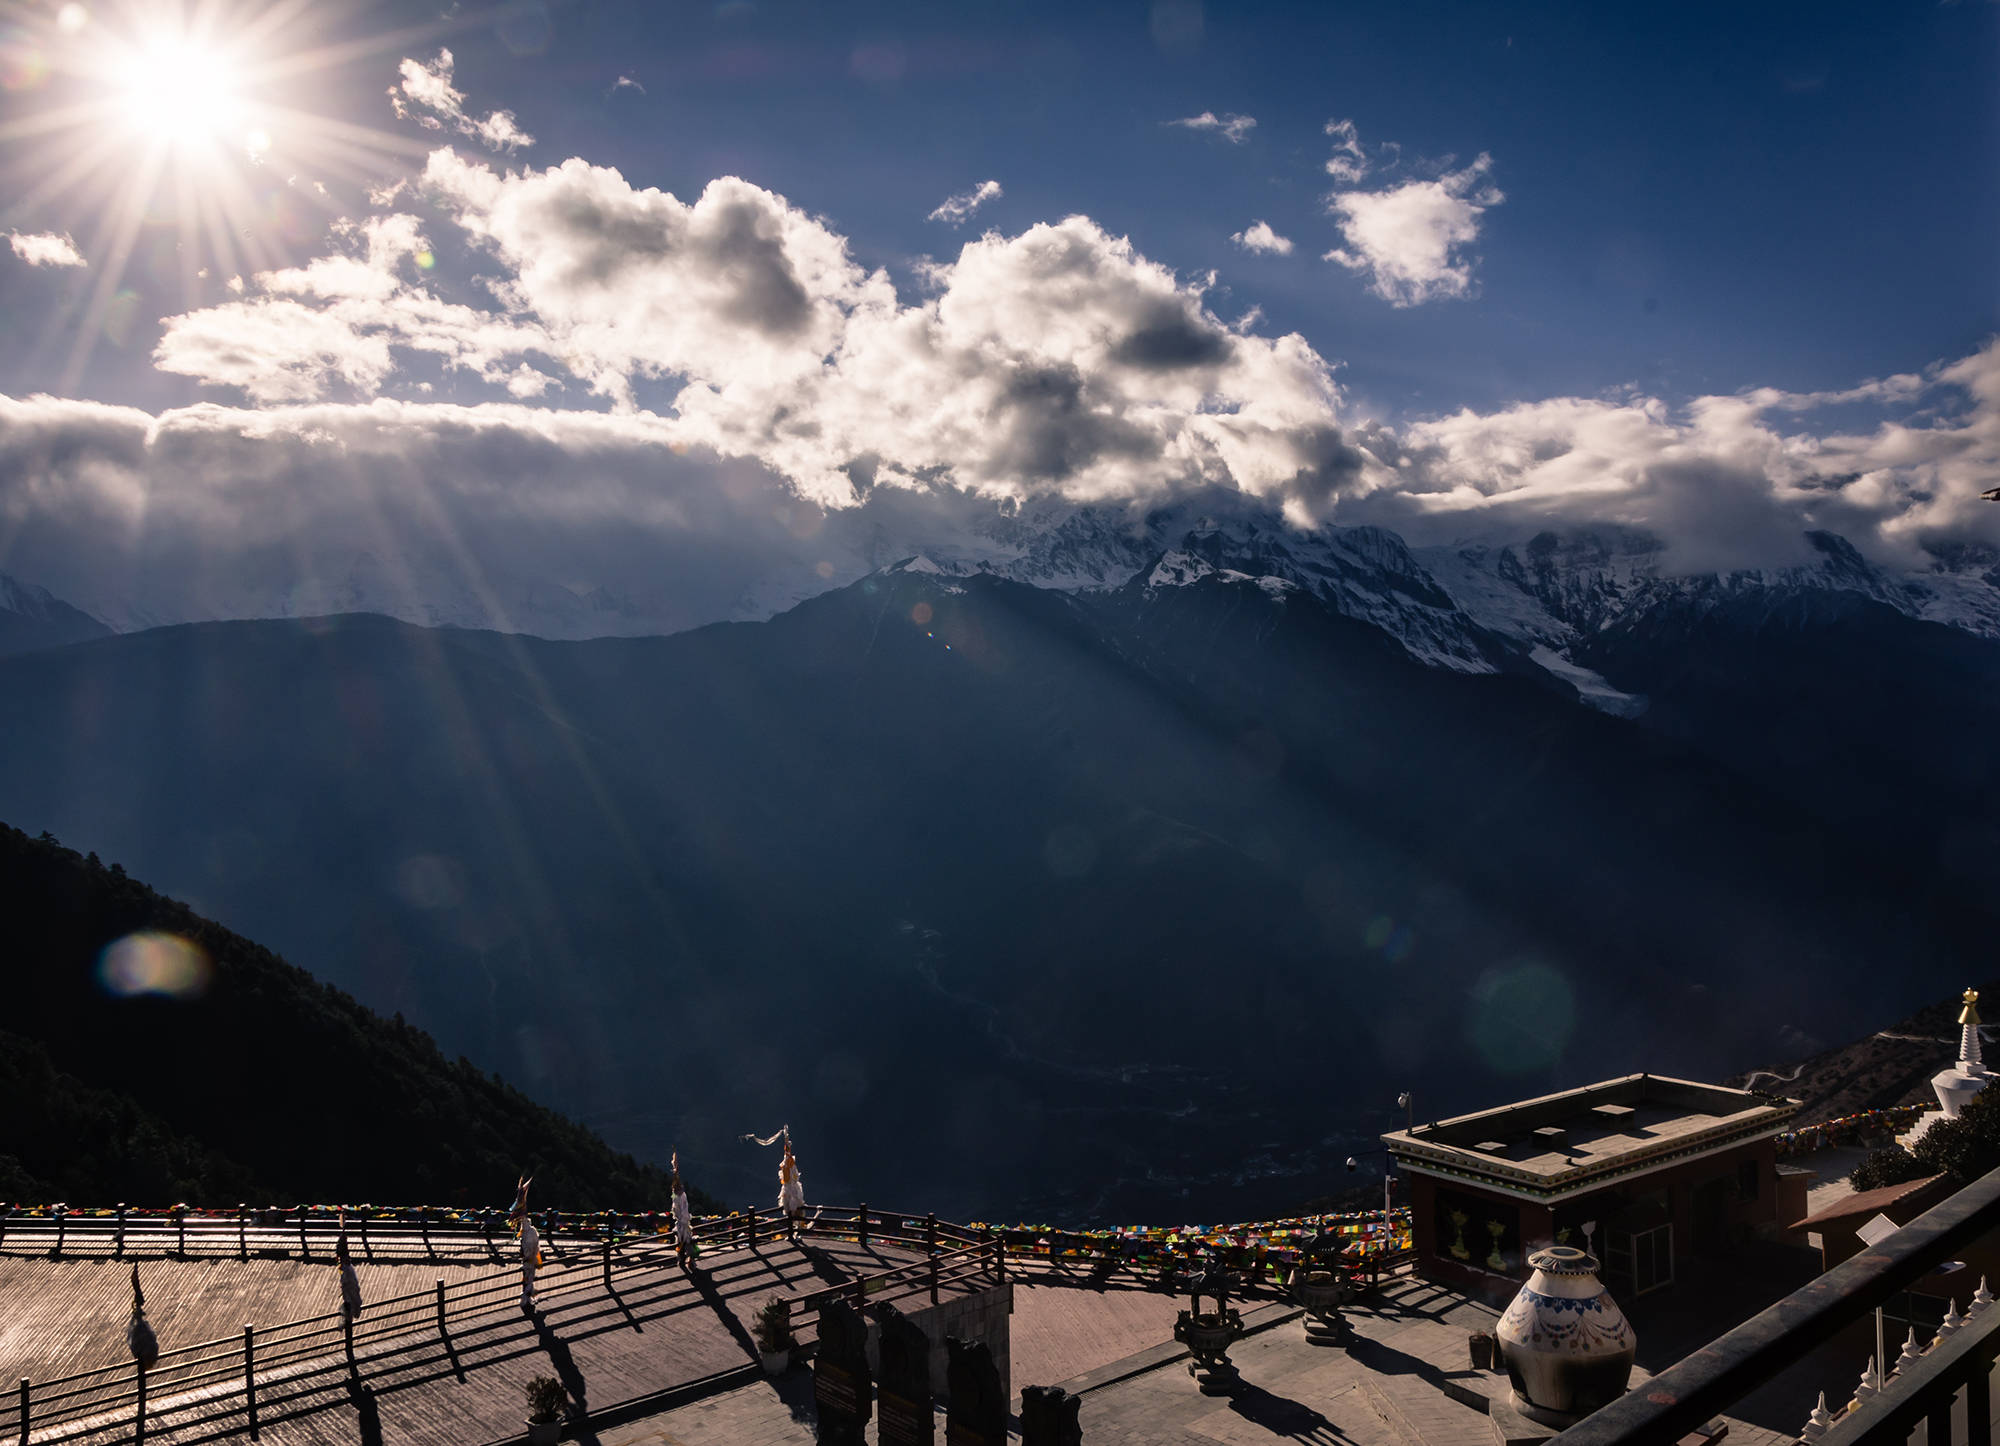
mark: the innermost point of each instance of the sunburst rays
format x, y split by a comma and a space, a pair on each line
192, 119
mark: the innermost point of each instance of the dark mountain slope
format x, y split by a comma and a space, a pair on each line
1004, 899
1891, 1066
67, 1141
1880, 727
263, 1081
1665, 888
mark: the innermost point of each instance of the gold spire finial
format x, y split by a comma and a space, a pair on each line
1970, 1014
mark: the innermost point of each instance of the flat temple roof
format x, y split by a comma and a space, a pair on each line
1582, 1139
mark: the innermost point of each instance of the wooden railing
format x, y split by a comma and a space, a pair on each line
238, 1372
306, 1232
1922, 1385
267, 1369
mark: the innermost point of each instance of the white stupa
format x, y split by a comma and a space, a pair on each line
1957, 1085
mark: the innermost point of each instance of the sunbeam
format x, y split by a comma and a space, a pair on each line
192, 121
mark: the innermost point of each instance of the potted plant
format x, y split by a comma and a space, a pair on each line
774, 1335
546, 1398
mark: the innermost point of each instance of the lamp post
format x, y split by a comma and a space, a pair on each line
1388, 1208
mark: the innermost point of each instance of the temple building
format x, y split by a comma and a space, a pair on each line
1644, 1171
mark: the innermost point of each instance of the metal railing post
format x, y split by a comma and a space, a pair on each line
242, 1232
118, 1246
62, 1222
443, 1329
607, 1264
861, 1224
5, 1211
305, 1250
181, 1231
930, 1241
250, 1375
24, 1411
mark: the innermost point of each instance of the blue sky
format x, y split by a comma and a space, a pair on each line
1568, 208
1805, 192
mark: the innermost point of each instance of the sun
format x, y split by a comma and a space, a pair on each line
187, 136
177, 90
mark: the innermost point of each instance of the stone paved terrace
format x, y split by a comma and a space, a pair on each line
1387, 1389
666, 1358
657, 1330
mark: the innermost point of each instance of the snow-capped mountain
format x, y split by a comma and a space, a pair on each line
1493, 605
1553, 590
1366, 573
1473, 606
1476, 607
33, 617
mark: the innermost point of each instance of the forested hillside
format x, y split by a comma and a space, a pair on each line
233, 1075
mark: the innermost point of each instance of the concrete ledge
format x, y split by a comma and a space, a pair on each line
1467, 1388
683, 1394
1511, 1428
1153, 1357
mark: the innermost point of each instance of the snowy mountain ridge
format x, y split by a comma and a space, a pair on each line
1471, 607
1532, 602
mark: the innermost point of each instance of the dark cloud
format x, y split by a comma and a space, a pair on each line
1171, 339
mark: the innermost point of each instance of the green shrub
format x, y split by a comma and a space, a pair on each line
546, 1398
1890, 1165
774, 1327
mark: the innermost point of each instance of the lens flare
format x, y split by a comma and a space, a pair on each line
22, 64
153, 963
1521, 1017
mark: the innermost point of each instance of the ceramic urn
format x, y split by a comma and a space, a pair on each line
1567, 1346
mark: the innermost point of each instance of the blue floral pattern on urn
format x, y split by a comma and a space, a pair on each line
1567, 1345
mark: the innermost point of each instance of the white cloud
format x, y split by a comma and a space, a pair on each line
739, 291
587, 522
1233, 128
625, 82
1056, 362
45, 249
502, 515
278, 346
1259, 237
776, 407
1411, 241
954, 210
1718, 480
427, 96
275, 350
1348, 163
